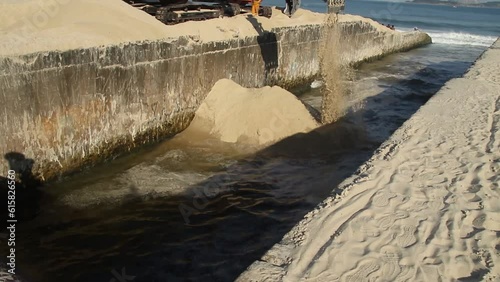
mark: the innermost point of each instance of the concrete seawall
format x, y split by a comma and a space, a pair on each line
66, 110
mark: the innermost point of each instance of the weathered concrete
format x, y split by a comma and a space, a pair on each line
67, 110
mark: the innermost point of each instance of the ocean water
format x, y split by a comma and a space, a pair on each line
460, 26
204, 211
408, 79
453, 29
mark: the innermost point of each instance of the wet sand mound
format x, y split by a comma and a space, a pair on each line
253, 116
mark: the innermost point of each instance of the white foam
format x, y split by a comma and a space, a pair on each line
316, 84
459, 38
456, 38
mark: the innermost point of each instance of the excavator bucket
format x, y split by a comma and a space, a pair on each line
335, 6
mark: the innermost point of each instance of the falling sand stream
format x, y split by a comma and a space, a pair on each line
332, 71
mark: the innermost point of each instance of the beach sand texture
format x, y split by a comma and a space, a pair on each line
425, 207
29, 26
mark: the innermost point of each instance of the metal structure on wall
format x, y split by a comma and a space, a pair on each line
178, 11
335, 6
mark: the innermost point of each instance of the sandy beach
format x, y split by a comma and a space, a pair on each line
425, 207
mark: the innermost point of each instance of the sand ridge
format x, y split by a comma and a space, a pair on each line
424, 208
30, 26
35, 25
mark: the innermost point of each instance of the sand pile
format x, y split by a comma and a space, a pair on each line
242, 25
257, 116
38, 25
29, 26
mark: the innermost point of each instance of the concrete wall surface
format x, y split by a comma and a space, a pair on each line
61, 111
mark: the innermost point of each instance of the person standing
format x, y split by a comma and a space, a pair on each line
289, 7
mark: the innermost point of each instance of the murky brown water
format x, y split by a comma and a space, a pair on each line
201, 210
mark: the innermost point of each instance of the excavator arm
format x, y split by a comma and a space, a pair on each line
335, 6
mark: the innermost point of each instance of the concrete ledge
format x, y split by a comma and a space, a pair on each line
68, 110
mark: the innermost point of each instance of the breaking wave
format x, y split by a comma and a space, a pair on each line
459, 38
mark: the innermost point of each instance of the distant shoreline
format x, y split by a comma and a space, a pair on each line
442, 3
